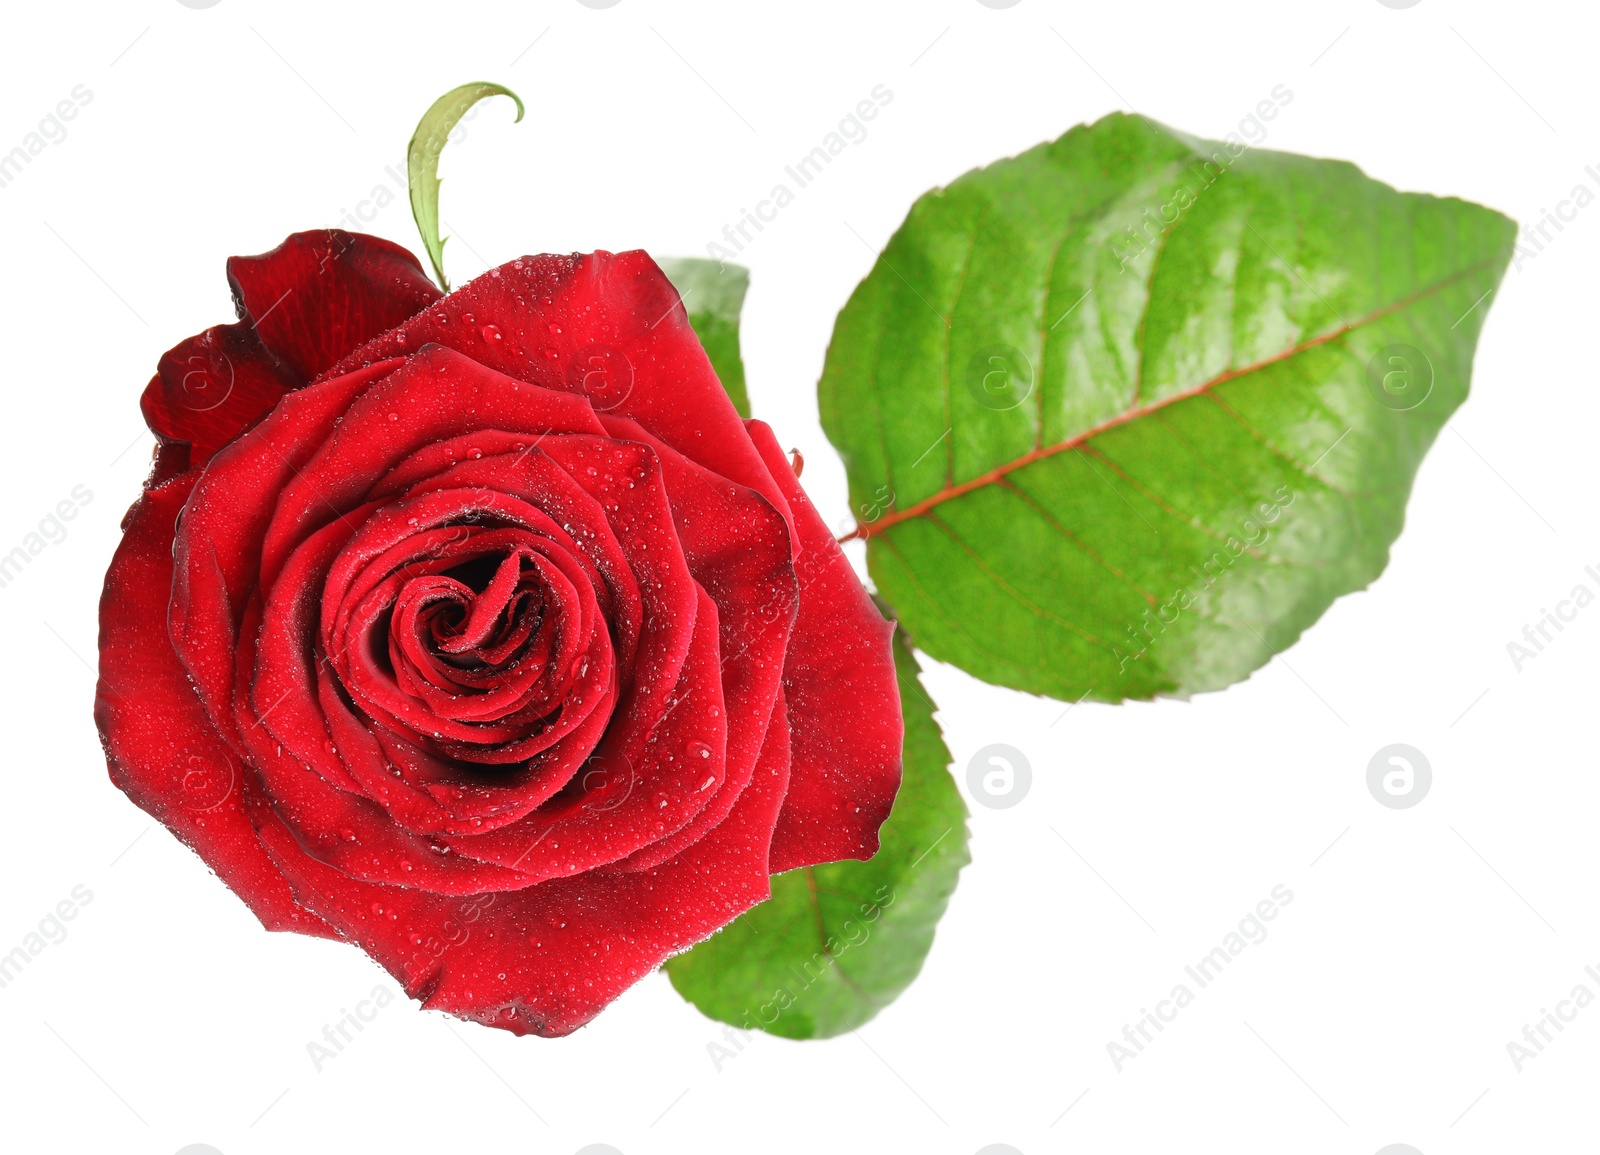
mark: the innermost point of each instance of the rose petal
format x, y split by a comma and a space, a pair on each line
308, 713
217, 552
354, 833
212, 387
435, 395
609, 325
737, 547
656, 771
547, 959
844, 702
162, 750
322, 293
353, 655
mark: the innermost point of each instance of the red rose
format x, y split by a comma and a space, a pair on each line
480, 631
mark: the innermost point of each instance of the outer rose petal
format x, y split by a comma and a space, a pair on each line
162, 749
548, 959
209, 389
320, 294
210, 591
844, 702
543, 319
303, 306
433, 396
739, 549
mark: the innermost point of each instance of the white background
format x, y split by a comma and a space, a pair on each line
1418, 942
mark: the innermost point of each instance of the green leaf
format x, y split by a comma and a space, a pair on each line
837, 943
713, 294
1123, 415
422, 161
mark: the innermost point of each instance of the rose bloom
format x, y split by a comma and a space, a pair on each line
480, 631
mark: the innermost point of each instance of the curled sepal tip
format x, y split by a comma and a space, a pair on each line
422, 161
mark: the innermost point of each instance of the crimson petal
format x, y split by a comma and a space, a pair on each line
322, 293
212, 387
162, 749
547, 959
844, 702
738, 548
607, 325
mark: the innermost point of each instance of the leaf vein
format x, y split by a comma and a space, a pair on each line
950, 492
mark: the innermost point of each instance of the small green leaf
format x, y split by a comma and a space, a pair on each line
1124, 414
713, 294
422, 161
836, 943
